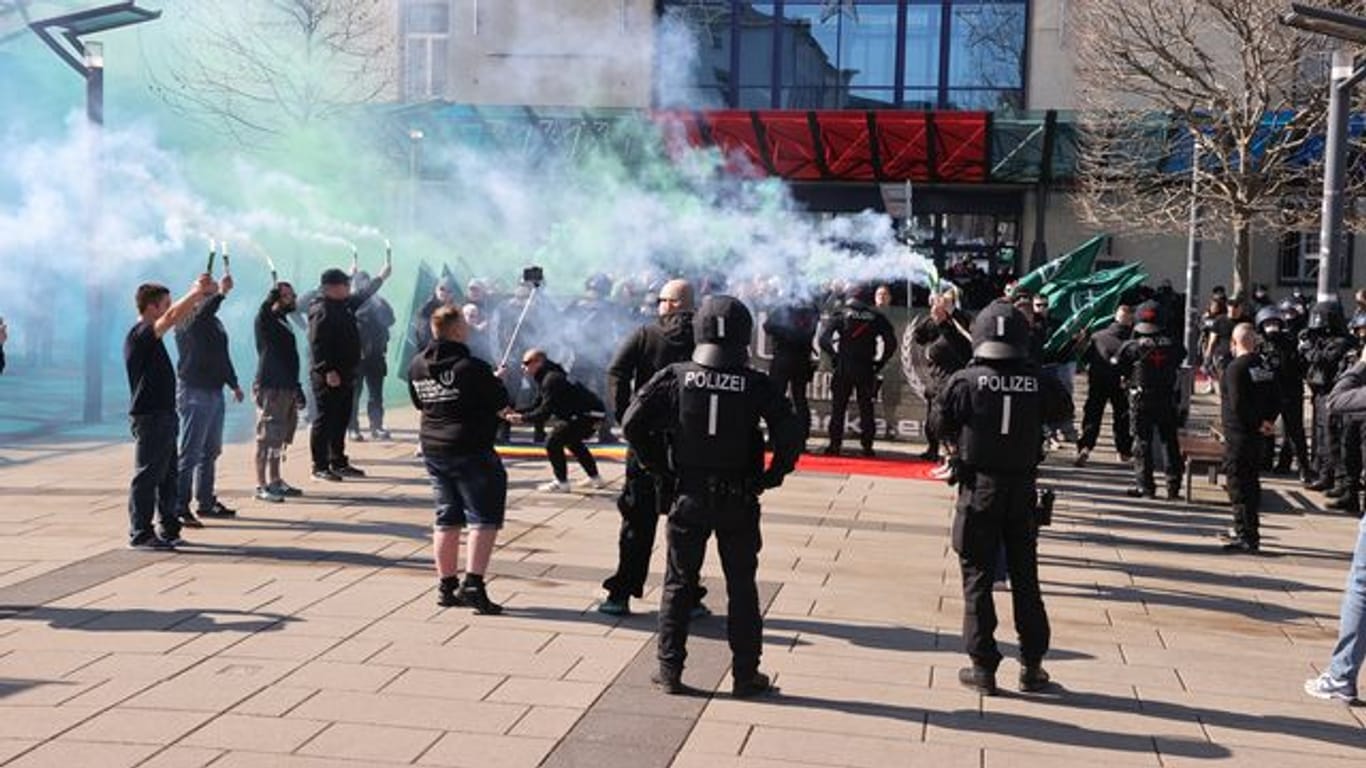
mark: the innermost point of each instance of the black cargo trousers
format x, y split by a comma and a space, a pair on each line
729, 509
995, 509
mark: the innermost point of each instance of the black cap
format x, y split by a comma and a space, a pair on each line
335, 276
1148, 319
722, 328
1000, 332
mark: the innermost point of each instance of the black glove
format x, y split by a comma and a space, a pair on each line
772, 478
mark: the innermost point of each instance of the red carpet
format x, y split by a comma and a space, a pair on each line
890, 466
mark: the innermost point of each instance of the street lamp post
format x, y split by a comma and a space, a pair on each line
415, 137
1346, 74
86, 57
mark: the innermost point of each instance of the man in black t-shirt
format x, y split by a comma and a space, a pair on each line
1247, 414
152, 413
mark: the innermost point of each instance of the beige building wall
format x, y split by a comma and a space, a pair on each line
581, 53
1052, 78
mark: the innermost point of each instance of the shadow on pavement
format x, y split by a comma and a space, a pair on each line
142, 620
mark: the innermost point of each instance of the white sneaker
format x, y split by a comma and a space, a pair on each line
942, 471
555, 486
595, 483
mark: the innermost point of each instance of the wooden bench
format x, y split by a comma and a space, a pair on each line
1204, 451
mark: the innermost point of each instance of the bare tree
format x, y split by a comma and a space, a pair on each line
1157, 78
263, 68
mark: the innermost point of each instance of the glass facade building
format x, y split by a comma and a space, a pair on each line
837, 54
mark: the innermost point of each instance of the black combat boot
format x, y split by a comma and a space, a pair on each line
476, 597
448, 593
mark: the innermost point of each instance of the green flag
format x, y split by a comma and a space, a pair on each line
1067, 298
1093, 309
1066, 268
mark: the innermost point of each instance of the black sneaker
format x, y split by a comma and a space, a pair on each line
981, 680
1033, 678
1337, 491
380, 434
1321, 484
174, 541
669, 681
346, 470
868, 453
281, 488
1140, 493
453, 599
355, 436
1348, 504
189, 519
151, 544
830, 450
1173, 492
756, 685
1241, 546
928, 456
219, 509
326, 474
476, 597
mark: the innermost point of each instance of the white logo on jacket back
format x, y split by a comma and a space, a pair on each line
441, 389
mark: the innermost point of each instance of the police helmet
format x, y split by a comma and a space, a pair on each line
1327, 316
722, 327
1148, 319
1000, 332
1266, 315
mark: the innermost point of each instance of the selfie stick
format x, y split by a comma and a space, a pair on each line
517, 329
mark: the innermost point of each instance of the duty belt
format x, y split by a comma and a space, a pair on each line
717, 485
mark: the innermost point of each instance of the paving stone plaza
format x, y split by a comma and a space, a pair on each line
306, 634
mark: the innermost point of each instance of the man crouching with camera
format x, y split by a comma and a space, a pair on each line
994, 411
460, 400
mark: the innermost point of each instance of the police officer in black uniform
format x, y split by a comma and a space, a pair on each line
1276, 347
644, 497
994, 411
1324, 346
791, 330
698, 421
858, 327
1150, 363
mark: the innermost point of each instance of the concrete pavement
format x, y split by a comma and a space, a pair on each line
306, 633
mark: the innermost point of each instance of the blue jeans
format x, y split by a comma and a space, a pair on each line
1351, 647
201, 441
152, 491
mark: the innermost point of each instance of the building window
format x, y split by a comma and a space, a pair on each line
1300, 260
426, 31
851, 54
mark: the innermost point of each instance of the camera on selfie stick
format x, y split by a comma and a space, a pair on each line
534, 277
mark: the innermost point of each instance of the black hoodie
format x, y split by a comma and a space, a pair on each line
560, 397
652, 347
459, 397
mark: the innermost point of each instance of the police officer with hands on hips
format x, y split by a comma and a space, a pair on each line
707, 411
857, 327
993, 411
1150, 363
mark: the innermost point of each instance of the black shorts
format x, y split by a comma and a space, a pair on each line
470, 489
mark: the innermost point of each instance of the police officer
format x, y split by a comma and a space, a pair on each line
994, 411
1149, 363
644, 497
1277, 349
698, 421
1104, 385
858, 328
791, 330
1248, 414
1324, 346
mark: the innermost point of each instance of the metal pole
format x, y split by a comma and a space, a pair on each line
1335, 175
94, 292
1038, 254
1193, 255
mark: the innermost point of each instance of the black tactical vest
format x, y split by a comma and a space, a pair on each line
1006, 427
718, 416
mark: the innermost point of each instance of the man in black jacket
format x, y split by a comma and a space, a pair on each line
278, 393
852, 337
579, 411
1150, 363
374, 318
1324, 347
1247, 396
205, 367
334, 339
948, 348
644, 497
1105, 385
460, 400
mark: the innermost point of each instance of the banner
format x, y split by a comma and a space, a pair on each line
1098, 309
1066, 268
